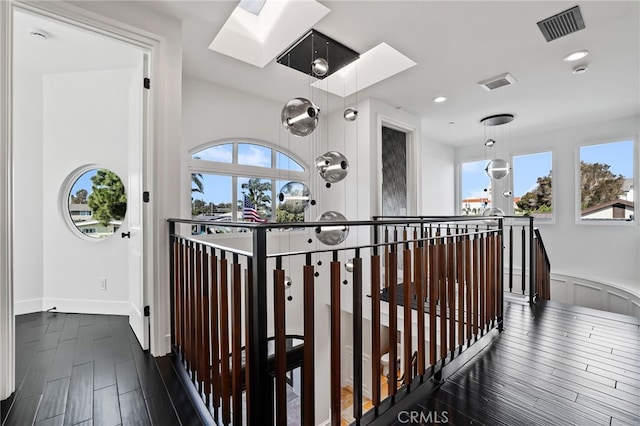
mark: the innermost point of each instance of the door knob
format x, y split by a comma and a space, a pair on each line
125, 234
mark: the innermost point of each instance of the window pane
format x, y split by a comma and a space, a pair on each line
475, 188
254, 199
219, 153
254, 155
284, 216
287, 163
98, 203
213, 202
606, 181
532, 185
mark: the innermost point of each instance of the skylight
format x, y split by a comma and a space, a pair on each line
252, 6
258, 35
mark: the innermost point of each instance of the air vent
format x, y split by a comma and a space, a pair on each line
496, 82
562, 24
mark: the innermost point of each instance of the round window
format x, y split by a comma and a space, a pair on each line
97, 202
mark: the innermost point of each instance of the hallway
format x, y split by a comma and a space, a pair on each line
76, 369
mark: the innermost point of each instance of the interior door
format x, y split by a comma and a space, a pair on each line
135, 208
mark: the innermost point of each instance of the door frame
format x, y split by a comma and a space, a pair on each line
413, 157
153, 45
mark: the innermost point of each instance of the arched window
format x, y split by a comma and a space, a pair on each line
237, 181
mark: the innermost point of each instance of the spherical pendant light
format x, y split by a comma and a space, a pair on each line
350, 114
294, 197
329, 234
332, 166
320, 67
497, 169
348, 265
300, 116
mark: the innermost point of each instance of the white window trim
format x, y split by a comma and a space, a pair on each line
578, 196
235, 170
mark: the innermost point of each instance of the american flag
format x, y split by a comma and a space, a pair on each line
249, 211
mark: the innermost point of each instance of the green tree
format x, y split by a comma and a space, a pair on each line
80, 197
108, 199
283, 216
538, 199
198, 207
255, 191
598, 184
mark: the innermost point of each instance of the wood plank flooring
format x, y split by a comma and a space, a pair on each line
557, 365
77, 369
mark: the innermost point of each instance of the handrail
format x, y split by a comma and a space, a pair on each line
222, 300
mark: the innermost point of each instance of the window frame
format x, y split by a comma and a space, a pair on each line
511, 210
459, 205
235, 170
578, 196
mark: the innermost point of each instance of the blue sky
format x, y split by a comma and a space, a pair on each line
218, 189
527, 168
84, 182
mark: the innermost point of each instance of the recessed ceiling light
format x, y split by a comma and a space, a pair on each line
580, 69
439, 99
576, 56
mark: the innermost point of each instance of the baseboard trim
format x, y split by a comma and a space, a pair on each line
27, 306
88, 306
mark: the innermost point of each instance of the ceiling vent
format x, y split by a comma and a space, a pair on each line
496, 82
562, 24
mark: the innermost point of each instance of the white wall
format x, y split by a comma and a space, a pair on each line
602, 252
28, 179
62, 122
437, 181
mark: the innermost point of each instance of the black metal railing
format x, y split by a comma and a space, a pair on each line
232, 313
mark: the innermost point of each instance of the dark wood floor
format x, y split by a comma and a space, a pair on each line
75, 369
558, 365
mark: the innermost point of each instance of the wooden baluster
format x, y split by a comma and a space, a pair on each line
236, 340
184, 276
280, 346
375, 329
476, 285
468, 275
215, 334
393, 322
408, 301
460, 264
177, 310
224, 344
451, 289
198, 350
206, 333
192, 313
442, 295
336, 409
500, 259
483, 281
433, 282
308, 366
419, 280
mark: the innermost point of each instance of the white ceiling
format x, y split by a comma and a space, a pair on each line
456, 44
67, 48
